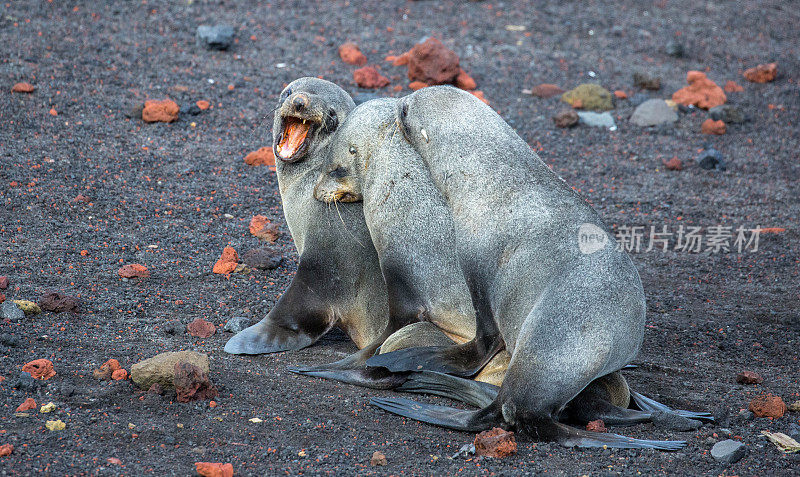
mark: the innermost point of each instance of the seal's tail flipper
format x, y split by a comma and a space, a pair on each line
646, 404
572, 437
464, 360
352, 370
471, 392
449, 417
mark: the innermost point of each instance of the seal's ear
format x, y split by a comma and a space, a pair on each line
331, 122
401, 113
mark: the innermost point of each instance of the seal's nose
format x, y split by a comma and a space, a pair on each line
300, 102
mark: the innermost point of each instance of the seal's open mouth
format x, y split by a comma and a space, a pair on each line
296, 134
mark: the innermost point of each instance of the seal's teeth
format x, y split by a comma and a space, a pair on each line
304, 121
424, 135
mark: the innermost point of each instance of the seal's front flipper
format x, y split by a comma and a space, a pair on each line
465, 360
650, 405
571, 437
352, 370
451, 418
467, 391
266, 336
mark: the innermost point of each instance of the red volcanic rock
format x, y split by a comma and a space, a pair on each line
29, 404
733, 87
261, 157
620, 94
546, 90
417, 85
227, 262
378, 458
40, 369
369, 77
261, 227
479, 94
191, 383
22, 88
433, 63
350, 54
155, 388
213, 469
674, 164
201, 328
768, 405
3, 283
119, 375
2, 298
762, 73
107, 369
203, 104
401, 60
58, 303
566, 118
6, 449
772, 230
465, 81
701, 92
164, 111
713, 127
114, 461
495, 442
133, 270
749, 377
597, 426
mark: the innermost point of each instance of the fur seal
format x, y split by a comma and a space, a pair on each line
568, 319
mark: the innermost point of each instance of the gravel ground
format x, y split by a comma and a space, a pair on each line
171, 196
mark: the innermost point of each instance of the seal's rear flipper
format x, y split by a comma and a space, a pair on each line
351, 370
571, 437
465, 360
267, 337
467, 391
646, 404
451, 418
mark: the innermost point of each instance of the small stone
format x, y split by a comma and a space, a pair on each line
114, 461
733, 87
213, 469
202, 105
711, 159
29, 404
155, 388
217, 37
701, 92
135, 111
479, 94
237, 324
728, 451
10, 311
191, 383
3, 283
190, 108
261, 227
746, 415
49, 407
794, 407
596, 426
57, 425
26, 382
23, 88
174, 327
227, 262
653, 113
133, 270
566, 118
674, 422
710, 126
794, 431
28, 307
597, 120
546, 90
465, 81
749, 377
619, 94
201, 328
264, 258
762, 73
675, 49
645, 81
369, 77
262, 157
727, 113
638, 99
351, 54
41, 369
119, 375
433, 63
58, 302
417, 85
495, 443
378, 458
768, 405
674, 164
6, 449
163, 111
589, 96
161, 368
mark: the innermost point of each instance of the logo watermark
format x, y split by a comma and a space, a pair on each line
591, 238
687, 239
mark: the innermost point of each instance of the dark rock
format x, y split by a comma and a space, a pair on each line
728, 451
237, 324
711, 159
135, 111
794, 431
10, 311
217, 37
9, 340
66, 389
58, 302
190, 108
566, 118
727, 113
174, 327
192, 383
26, 382
675, 49
638, 99
746, 415
722, 416
675, 422
263, 258
749, 377
645, 81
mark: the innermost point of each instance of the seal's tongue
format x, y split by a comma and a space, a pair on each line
294, 133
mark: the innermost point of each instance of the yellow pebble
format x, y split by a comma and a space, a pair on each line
49, 407
55, 425
28, 307
193, 124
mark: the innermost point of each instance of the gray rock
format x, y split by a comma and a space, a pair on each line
264, 258
711, 159
727, 113
675, 49
9, 340
10, 311
217, 37
674, 422
597, 120
161, 368
794, 431
652, 113
728, 451
26, 382
190, 108
645, 81
174, 327
638, 99
237, 324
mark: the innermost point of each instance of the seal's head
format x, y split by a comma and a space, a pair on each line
368, 128
309, 112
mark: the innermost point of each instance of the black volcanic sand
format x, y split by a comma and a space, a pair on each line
171, 196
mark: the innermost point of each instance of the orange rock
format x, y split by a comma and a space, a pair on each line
2, 298
620, 94
350, 54
53, 112
107, 369
674, 164
701, 92
114, 461
495, 443
713, 127
416, 85
201, 328
546, 90
597, 426
213, 469
397, 88
261, 157
203, 104
227, 262
164, 111
402, 60
465, 81
768, 405
40, 369
261, 227
390, 58
773, 230
733, 87
23, 88
29, 403
6, 449
119, 375
762, 73
133, 270
257, 224
479, 94
369, 77
3, 282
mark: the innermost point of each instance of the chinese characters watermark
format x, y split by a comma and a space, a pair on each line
688, 239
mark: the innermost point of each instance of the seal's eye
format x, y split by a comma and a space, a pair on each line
353, 150
338, 173
286, 93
